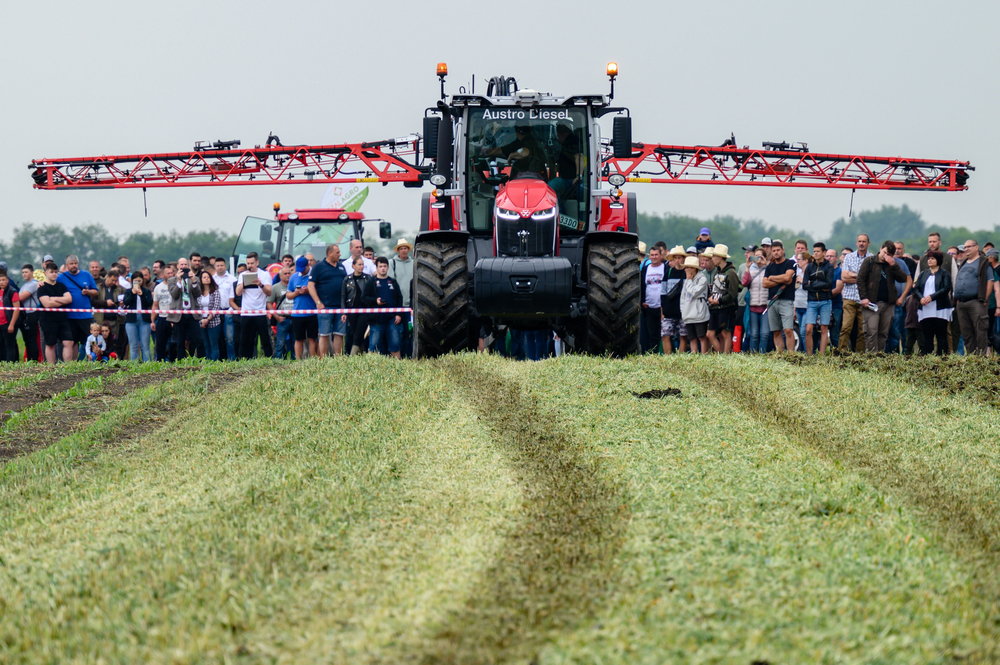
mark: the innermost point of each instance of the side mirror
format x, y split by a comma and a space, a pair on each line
431, 124
621, 136
384, 230
265, 233
267, 249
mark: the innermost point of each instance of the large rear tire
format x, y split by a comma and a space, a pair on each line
613, 291
441, 313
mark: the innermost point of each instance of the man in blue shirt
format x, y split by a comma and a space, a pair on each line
304, 326
81, 286
326, 279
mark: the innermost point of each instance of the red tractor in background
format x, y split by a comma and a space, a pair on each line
527, 224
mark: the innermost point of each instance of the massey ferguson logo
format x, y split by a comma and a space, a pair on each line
525, 213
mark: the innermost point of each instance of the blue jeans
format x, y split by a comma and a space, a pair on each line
284, 341
758, 333
229, 328
800, 313
138, 340
385, 337
836, 320
895, 338
536, 344
210, 339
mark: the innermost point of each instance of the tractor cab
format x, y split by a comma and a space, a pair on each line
550, 145
303, 231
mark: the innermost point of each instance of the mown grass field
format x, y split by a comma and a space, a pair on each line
475, 510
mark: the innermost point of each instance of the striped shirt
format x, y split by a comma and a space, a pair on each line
852, 263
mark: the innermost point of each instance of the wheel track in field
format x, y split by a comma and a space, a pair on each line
74, 414
44, 389
556, 565
961, 523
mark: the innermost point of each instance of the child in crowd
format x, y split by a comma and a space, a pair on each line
96, 345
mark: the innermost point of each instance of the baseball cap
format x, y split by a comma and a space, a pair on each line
47, 258
765, 241
778, 243
751, 248
691, 250
704, 231
301, 263
992, 253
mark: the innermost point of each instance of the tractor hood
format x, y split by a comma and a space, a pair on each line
525, 196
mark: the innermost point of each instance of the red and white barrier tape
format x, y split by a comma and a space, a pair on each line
224, 312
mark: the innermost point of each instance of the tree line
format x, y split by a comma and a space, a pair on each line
886, 223
31, 242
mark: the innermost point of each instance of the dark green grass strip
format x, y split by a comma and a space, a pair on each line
959, 516
976, 377
556, 564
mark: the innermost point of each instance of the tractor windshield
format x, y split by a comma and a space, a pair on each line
552, 143
271, 240
313, 237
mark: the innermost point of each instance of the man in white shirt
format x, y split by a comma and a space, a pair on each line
125, 277
254, 286
356, 250
651, 280
227, 292
161, 326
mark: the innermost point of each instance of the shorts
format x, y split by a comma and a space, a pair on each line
721, 319
330, 324
696, 330
55, 332
818, 311
781, 315
80, 328
305, 327
673, 327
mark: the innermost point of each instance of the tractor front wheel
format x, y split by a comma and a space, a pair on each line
441, 313
613, 273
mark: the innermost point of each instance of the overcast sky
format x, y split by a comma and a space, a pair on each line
915, 79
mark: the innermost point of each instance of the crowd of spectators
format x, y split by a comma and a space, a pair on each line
693, 299
194, 306
853, 298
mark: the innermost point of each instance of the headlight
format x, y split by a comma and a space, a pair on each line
548, 213
616, 179
509, 215
438, 179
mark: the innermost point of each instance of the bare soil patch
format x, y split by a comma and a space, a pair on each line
40, 391
76, 413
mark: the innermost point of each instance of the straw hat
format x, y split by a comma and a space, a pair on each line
677, 250
709, 252
692, 262
642, 247
721, 250
403, 242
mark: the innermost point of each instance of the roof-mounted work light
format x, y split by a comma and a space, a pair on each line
442, 72
612, 72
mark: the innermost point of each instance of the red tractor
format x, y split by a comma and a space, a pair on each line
527, 224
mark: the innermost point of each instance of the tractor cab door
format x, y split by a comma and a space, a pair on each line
258, 235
